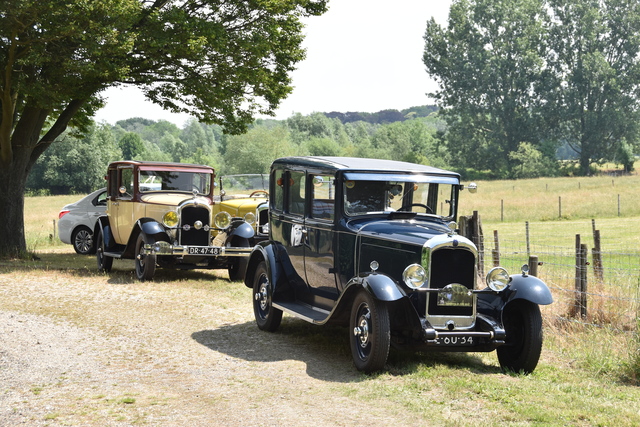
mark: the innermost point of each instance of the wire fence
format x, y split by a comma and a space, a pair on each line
589, 286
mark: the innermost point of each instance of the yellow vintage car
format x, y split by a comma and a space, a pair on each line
165, 215
246, 196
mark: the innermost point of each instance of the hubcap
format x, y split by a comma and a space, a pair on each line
361, 331
262, 296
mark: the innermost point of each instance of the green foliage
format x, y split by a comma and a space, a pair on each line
131, 145
542, 72
76, 165
531, 163
254, 151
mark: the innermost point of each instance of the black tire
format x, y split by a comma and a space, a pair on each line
369, 332
237, 269
104, 262
523, 324
267, 317
145, 264
82, 241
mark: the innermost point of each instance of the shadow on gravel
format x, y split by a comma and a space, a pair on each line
324, 350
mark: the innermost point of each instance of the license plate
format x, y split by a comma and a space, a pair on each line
446, 341
203, 250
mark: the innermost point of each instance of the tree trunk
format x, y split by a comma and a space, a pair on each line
12, 186
26, 146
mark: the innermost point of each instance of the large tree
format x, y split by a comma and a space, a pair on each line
222, 61
595, 60
487, 62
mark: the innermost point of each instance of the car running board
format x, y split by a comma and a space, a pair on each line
303, 311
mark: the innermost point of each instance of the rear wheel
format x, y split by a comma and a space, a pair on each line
104, 262
369, 332
523, 325
82, 240
267, 317
145, 263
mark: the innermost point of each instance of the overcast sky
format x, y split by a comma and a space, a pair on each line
362, 55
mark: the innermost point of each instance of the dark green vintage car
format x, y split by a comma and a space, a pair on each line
372, 244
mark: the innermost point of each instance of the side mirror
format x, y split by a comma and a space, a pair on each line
122, 190
472, 187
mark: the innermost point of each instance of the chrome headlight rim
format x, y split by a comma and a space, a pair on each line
250, 218
498, 279
170, 219
414, 276
222, 220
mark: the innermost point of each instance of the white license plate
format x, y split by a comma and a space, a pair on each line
203, 250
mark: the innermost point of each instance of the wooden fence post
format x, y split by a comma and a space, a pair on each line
597, 257
533, 265
478, 239
496, 250
580, 306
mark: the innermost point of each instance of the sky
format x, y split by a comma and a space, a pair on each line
362, 55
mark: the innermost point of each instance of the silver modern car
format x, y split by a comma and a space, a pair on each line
77, 221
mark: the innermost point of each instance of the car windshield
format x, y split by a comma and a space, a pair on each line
243, 186
364, 197
158, 180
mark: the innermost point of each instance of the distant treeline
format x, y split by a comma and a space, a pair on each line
383, 116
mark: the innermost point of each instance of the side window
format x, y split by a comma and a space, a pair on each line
276, 195
323, 200
113, 184
126, 181
295, 201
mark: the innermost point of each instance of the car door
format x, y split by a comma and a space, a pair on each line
286, 221
121, 206
318, 239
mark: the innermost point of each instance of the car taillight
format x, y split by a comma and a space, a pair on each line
62, 213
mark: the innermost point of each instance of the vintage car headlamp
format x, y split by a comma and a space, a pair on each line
222, 220
414, 276
250, 218
498, 279
170, 219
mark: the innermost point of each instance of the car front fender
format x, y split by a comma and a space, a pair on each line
382, 287
263, 251
152, 228
241, 229
529, 288
103, 227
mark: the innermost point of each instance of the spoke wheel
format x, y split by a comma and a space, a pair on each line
267, 317
145, 263
523, 324
370, 336
82, 240
104, 262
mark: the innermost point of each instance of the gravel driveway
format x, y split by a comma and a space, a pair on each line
78, 348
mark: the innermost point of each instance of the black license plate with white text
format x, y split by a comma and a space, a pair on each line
456, 341
203, 250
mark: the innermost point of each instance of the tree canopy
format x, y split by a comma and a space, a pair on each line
540, 72
222, 61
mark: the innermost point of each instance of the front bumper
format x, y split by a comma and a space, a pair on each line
164, 248
486, 336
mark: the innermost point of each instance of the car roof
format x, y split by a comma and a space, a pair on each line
359, 164
146, 164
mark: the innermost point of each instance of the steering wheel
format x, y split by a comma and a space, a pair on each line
266, 194
420, 205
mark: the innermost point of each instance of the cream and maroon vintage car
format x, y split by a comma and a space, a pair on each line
164, 215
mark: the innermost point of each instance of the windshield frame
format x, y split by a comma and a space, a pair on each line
387, 182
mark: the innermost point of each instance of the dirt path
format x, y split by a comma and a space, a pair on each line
81, 349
